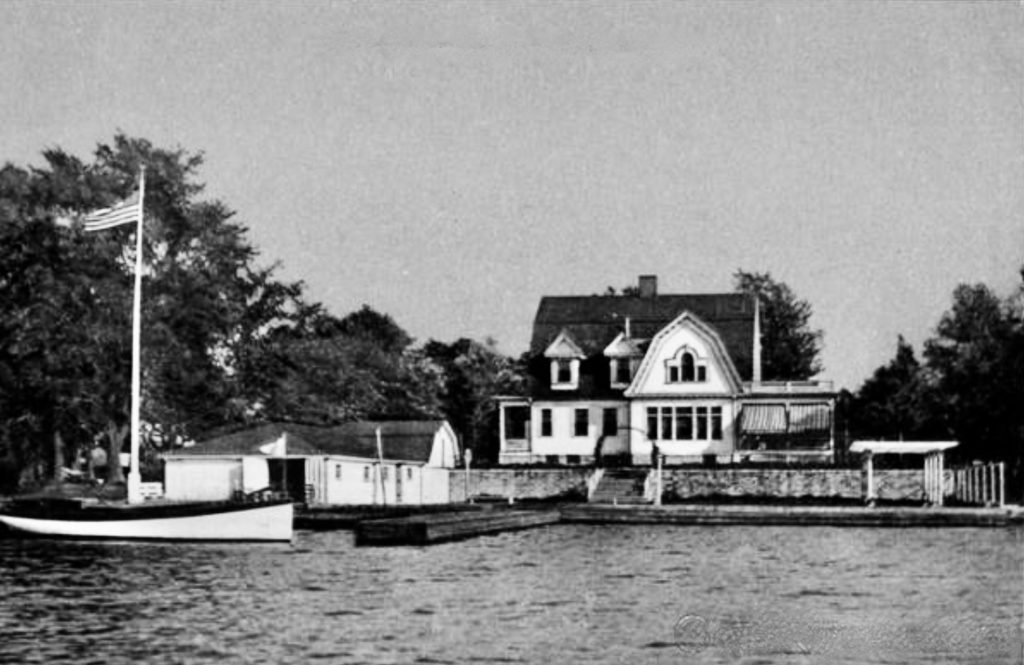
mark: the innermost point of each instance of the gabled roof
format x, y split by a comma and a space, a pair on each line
410, 441
401, 440
595, 321
625, 347
710, 335
564, 346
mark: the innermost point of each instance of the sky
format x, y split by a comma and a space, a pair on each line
449, 163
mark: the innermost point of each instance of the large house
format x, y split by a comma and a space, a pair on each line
364, 463
623, 378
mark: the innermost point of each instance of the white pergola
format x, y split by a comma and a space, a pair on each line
933, 452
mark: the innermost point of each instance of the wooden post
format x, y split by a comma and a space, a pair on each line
992, 484
1002, 484
929, 479
467, 457
868, 478
657, 489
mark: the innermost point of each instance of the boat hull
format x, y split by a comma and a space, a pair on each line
204, 522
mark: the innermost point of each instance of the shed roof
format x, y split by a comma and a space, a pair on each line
901, 447
400, 440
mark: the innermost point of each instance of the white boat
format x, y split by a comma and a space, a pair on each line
212, 521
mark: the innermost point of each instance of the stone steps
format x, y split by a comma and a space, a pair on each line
621, 486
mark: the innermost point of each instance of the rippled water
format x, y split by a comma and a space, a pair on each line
562, 594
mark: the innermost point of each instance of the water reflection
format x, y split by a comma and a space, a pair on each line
560, 594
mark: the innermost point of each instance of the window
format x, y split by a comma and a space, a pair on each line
684, 423
383, 473
563, 373
686, 362
366, 474
572, 459
517, 419
621, 371
337, 472
545, 422
581, 422
408, 473
702, 422
610, 422
686, 367
716, 423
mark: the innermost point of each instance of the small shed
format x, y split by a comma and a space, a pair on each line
933, 452
362, 463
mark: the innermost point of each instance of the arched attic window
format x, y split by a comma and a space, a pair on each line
686, 367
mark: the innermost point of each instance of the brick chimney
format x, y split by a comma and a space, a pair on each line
648, 286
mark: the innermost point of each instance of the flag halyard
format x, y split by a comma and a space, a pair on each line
123, 212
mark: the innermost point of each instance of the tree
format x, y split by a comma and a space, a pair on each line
474, 374
331, 370
66, 300
977, 359
790, 349
898, 401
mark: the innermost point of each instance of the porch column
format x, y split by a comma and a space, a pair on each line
867, 479
941, 468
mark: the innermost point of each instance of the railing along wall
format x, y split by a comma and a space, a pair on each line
981, 484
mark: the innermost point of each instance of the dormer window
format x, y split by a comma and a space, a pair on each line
565, 373
686, 367
622, 372
565, 356
624, 354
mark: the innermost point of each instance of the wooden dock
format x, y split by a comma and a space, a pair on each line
761, 515
320, 518
443, 527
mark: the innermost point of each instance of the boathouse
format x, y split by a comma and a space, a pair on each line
361, 463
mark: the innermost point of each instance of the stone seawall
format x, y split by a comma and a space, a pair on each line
696, 483
890, 484
519, 483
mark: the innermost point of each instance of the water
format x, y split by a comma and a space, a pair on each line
562, 594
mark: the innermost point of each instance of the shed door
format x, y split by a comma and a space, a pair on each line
288, 476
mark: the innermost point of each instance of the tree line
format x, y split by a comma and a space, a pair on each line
225, 342
967, 385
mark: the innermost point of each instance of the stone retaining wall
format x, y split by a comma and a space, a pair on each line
890, 484
694, 483
519, 483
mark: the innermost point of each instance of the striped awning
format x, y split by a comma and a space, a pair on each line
810, 418
764, 419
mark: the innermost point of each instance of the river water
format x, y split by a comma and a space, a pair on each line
561, 594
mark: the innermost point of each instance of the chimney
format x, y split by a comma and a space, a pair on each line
648, 286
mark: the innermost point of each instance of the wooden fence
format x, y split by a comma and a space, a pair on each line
981, 484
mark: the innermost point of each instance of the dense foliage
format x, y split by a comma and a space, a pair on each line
790, 349
969, 387
224, 341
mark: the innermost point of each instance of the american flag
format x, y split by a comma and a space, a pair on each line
123, 212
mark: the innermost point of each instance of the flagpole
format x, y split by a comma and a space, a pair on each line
134, 478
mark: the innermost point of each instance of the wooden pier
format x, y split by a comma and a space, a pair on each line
755, 515
443, 527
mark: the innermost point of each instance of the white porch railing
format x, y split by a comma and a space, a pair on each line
981, 484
